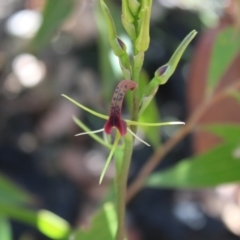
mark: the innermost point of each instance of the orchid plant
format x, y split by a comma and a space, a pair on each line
136, 20
114, 119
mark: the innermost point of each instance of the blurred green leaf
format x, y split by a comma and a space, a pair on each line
104, 225
229, 132
235, 94
219, 165
5, 228
54, 14
151, 115
52, 225
105, 67
225, 49
10, 192
46, 222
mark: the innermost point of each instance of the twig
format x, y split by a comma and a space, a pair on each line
161, 152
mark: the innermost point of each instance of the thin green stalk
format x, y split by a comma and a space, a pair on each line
137, 65
121, 182
122, 176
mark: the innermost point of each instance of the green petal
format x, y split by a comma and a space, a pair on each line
93, 135
110, 156
129, 122
85, 108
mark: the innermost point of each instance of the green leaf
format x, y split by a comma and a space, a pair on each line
104, 225
219, 165
54, 14
5, 228
225, 49
234, 94
46, 222
105, 67
151, 115
10, 192
229, 132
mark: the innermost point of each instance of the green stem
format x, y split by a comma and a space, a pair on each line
122, 175
121, 182
136, 68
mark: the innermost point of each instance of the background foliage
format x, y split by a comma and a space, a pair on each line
48, 178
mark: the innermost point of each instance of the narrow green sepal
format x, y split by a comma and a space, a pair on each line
85, 108
126, 11
93, 135
118, 136
129, 27
143, 39
134, 6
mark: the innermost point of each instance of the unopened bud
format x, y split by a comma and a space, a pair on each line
129, 27
126, 11
143, 39
134, 6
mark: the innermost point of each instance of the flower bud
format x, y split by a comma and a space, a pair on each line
134, 6
143, 39
163, 73
126, 11
116, 44
129, 27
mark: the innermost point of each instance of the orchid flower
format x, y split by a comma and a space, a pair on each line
114, 120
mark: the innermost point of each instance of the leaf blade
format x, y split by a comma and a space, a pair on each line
215, 167
225, 49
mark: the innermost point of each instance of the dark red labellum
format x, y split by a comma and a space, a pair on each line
115, 119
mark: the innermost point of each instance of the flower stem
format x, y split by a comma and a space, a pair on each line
136, 68
121, 184
122, 176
